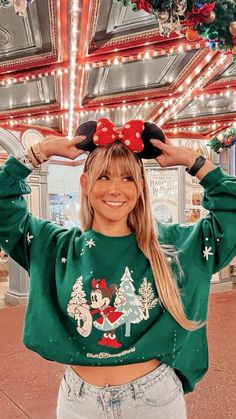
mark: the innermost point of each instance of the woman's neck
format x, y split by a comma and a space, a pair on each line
111, 229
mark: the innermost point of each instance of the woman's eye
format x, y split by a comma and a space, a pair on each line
103, 177
128, 178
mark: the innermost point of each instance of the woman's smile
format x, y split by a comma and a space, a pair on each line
114, 204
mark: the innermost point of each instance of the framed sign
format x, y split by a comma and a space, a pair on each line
166, 186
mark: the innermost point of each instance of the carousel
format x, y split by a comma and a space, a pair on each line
63, 63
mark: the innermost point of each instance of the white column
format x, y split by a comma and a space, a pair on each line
38, 205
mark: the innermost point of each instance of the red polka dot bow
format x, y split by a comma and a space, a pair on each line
131, 134
101, 284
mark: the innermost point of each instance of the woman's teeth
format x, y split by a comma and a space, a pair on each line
114, 204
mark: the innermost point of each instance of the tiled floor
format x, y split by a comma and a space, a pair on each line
29, 384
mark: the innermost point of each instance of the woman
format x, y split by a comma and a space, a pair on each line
114, 303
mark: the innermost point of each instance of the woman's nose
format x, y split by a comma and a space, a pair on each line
114, 186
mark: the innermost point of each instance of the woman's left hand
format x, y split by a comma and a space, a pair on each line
174, 155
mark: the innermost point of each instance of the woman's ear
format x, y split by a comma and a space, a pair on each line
84, 183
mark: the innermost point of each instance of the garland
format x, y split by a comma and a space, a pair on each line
225, 140
213, 20
20, 6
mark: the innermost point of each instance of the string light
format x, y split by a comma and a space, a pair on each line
147, 55
200, 82
178, 101
73, 56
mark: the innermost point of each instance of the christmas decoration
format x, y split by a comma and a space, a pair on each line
211, 17
232, 27
141, 4
225, 14
163, 16
191, 34
225, 140
214, 21
199, 14
167, 12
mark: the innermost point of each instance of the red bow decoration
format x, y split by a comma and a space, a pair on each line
101, 284
198, 14
142, 5
130, 135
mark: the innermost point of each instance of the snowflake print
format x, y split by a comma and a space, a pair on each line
207, 252
29, 237
63, 260
90, 243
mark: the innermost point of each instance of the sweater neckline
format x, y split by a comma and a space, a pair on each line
104, 236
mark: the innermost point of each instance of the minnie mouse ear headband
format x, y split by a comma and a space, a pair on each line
135, 134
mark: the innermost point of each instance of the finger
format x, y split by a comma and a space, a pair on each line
158, 144
167, 141
53, 137
78, 139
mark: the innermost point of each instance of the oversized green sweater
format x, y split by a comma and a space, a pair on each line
92, 298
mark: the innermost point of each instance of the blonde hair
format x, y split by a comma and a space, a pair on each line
140, 221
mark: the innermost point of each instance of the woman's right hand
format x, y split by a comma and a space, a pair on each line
61, 146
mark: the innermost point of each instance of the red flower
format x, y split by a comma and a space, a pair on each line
143, 5
198, 15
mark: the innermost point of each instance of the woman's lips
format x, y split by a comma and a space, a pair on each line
114, 204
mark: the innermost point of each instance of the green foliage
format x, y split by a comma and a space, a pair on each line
225, 11
161, 5
225, 140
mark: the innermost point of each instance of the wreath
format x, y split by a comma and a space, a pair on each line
224, 140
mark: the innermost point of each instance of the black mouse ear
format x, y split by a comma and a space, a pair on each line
150, 131
88, 129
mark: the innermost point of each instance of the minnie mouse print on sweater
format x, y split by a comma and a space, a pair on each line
97, 312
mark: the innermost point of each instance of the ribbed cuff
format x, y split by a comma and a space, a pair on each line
213, 178
16, 169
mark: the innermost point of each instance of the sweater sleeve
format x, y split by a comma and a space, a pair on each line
211, 241
18, 227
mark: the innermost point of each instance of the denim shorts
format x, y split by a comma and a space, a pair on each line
158, 394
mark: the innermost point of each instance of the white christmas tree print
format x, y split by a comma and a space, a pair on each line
79, 309
147, 297
78, 295
132, 305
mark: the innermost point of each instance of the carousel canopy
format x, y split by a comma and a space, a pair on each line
65, 62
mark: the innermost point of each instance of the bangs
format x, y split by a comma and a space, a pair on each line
116, 157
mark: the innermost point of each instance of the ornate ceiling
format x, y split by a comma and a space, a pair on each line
66, 62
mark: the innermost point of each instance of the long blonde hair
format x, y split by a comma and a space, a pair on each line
140, 221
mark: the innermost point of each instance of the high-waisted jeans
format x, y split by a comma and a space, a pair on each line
158, 394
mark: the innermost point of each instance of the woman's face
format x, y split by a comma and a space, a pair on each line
113, 197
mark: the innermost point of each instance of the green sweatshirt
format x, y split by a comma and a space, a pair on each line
92, 298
